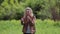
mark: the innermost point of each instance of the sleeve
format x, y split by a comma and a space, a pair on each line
33, 21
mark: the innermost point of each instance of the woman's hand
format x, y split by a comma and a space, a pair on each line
28, 17
22, 21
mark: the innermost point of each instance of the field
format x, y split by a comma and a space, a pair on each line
42, 27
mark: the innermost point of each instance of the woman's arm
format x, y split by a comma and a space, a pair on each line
32, 20
22, 21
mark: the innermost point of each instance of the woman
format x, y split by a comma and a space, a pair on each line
28, 22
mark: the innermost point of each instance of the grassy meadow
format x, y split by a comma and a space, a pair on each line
42, 27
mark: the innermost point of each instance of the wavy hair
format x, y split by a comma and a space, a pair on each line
31, 13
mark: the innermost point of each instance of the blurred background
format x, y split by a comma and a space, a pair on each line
47, 13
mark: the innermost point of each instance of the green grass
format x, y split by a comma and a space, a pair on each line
42, 27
